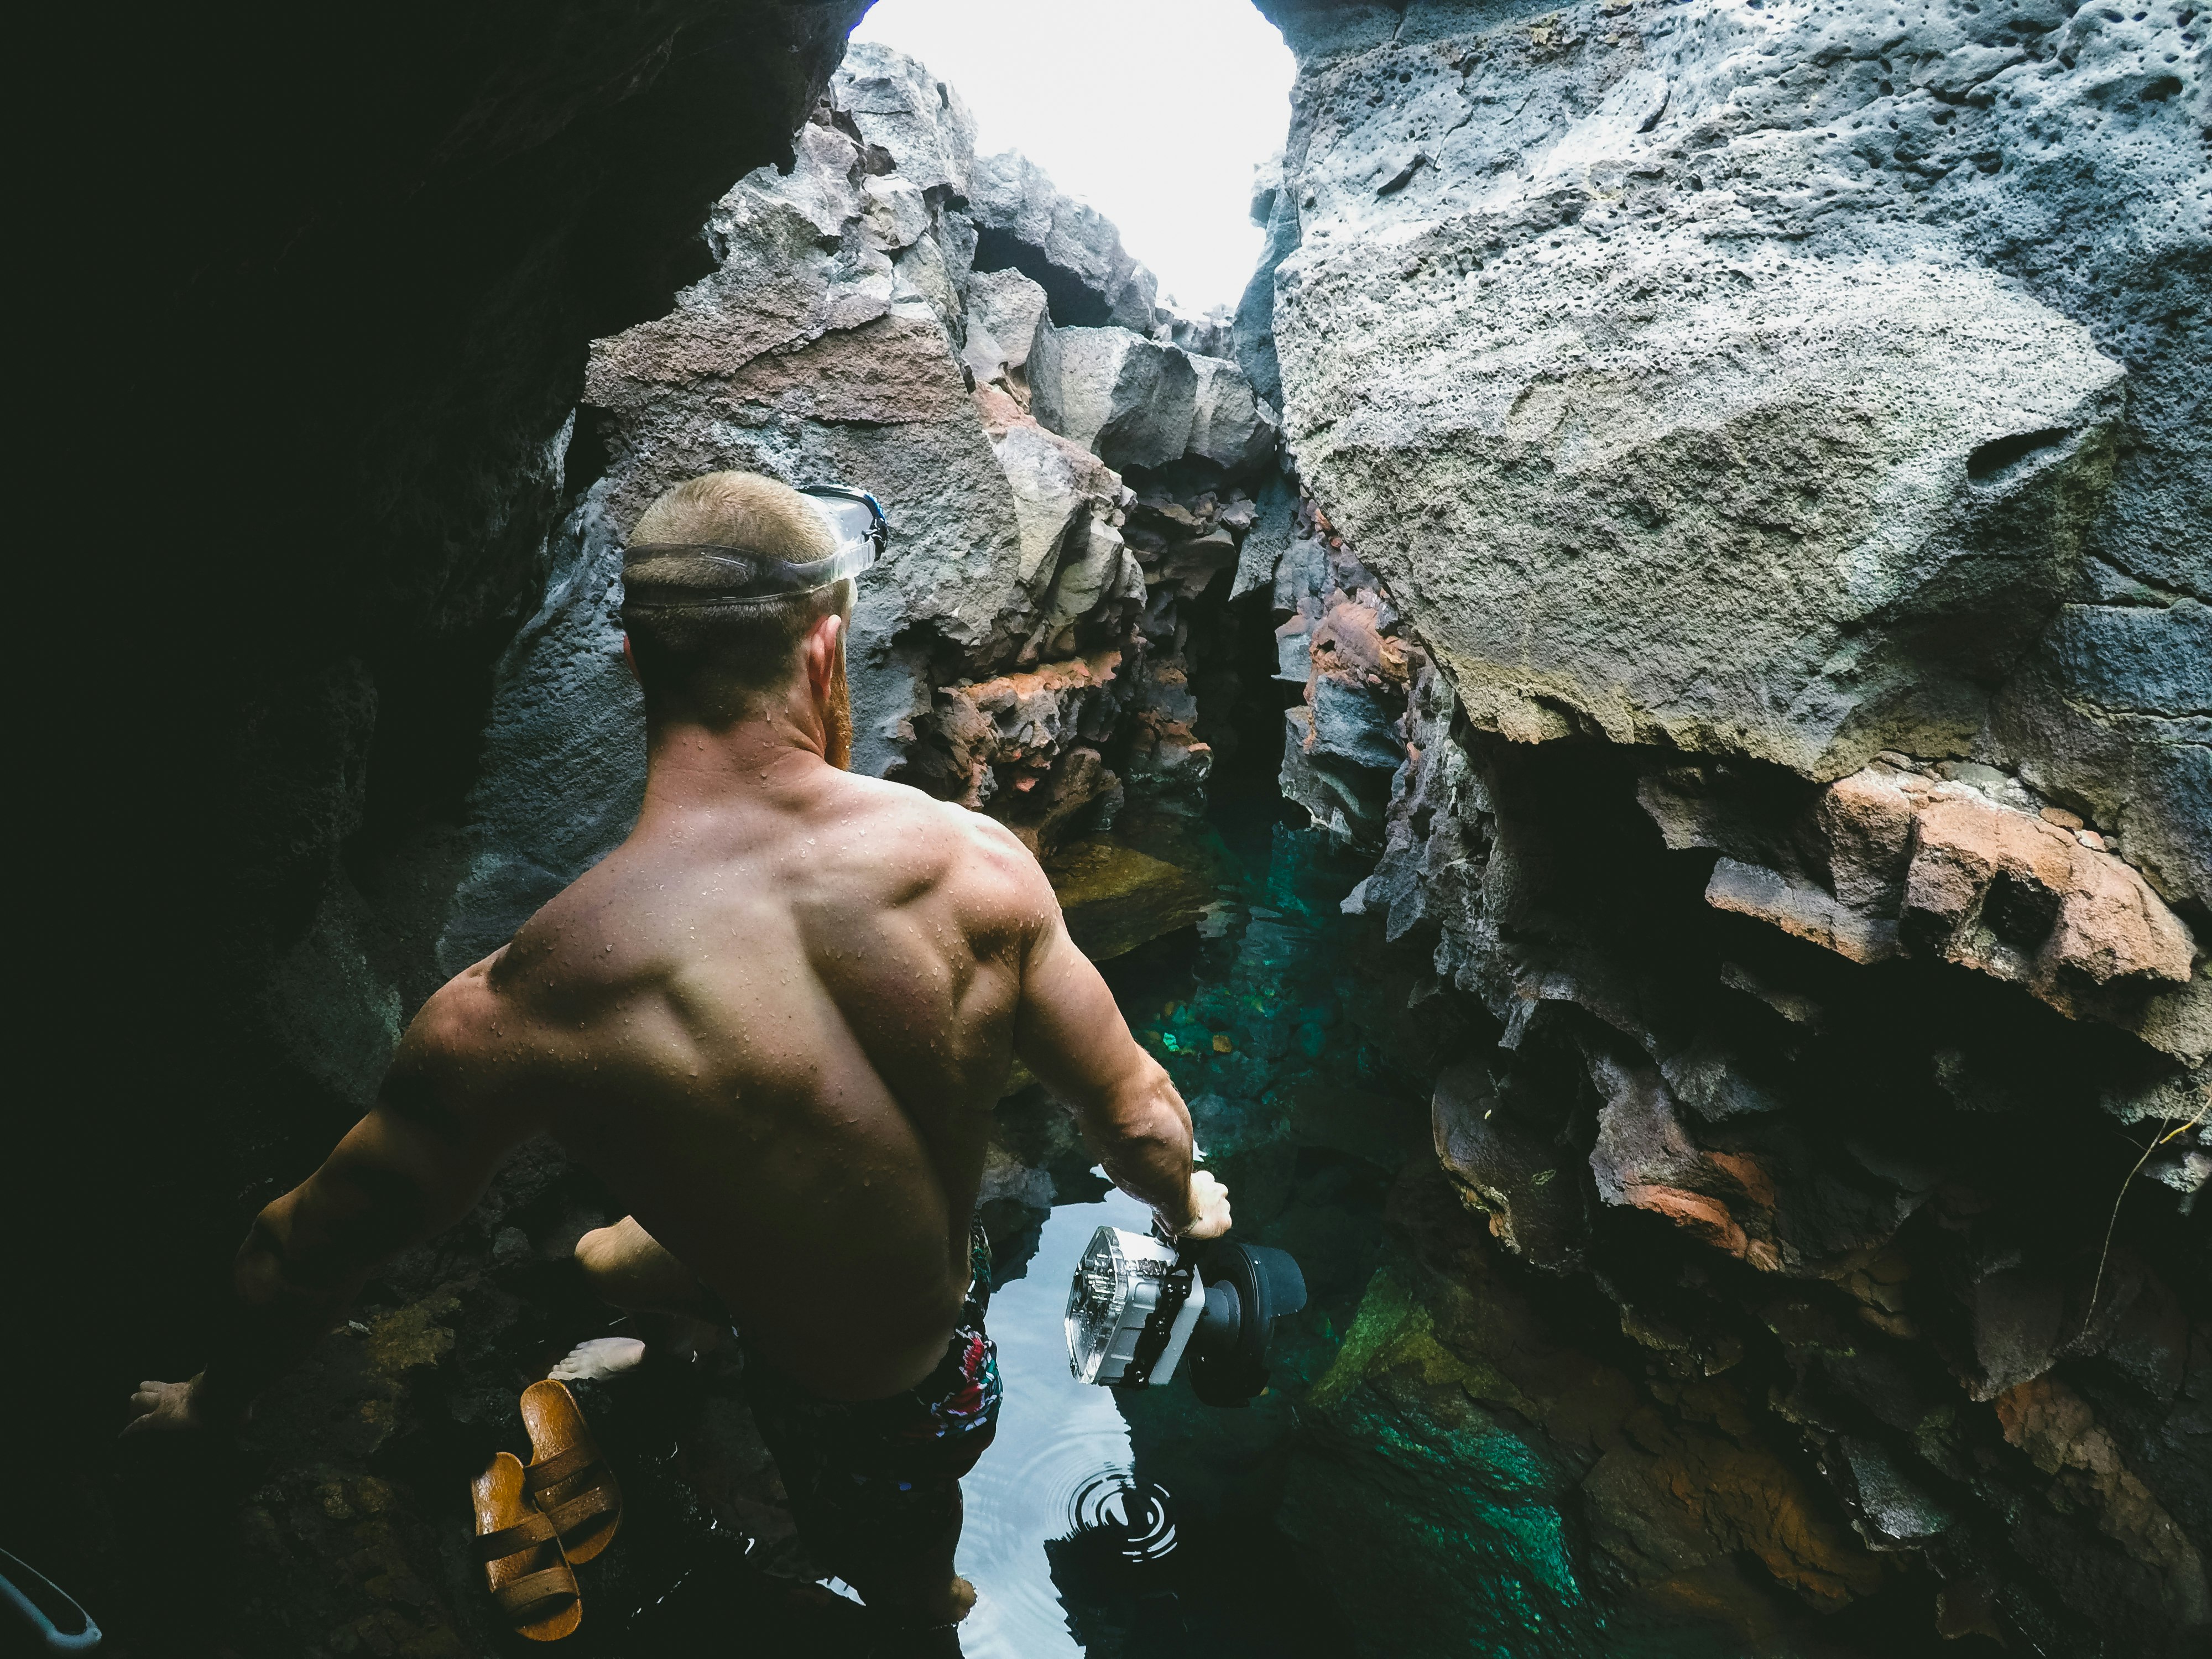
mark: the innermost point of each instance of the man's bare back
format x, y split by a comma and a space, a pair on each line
775, 1025
776, 1020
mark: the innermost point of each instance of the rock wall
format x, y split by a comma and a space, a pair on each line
1751, 590
888, 313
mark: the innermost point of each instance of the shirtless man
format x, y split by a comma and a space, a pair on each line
776, 1020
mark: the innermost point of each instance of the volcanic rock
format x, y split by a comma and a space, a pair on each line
1024, 223
1763, 515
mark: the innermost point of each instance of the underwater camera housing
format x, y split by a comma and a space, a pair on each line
1138, 1308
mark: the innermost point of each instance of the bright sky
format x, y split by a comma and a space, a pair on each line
1152, 111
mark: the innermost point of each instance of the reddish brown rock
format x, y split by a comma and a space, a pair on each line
1913, 865
2020, 898
1646, 1158
2058, 1432
1014, 743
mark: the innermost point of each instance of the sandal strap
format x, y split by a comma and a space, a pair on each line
561, 1466
527, 1533
525, 1599
567, 1517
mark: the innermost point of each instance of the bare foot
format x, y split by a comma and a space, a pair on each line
599, 1358
179, 1407
955, 1602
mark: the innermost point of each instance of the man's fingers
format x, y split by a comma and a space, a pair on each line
148, 1406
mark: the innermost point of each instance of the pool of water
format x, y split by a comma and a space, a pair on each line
1102, 1523
1330, 1516
1063, 1468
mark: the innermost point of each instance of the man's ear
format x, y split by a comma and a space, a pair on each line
820, 654
631, 657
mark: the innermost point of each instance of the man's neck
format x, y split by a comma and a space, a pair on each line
688, 765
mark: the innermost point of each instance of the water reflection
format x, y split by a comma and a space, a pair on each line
1062, 1464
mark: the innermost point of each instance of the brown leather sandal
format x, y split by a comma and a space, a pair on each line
519, 1550
568, 1478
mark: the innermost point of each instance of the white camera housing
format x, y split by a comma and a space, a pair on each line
1131, 1310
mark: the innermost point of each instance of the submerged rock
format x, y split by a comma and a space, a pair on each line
1115, 898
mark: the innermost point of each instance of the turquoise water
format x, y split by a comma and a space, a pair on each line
1387, 1496
1100, 1524
1363, 1504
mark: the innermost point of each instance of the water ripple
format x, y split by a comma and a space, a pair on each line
1113, 1501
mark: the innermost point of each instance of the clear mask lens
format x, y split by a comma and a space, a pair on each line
855, 521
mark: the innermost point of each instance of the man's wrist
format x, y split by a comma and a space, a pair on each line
1177, 1221
218, 1403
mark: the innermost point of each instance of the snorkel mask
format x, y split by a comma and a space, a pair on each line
697, 576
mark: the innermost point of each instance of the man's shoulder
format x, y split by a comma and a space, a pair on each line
944, 844
901, 809
451, 1046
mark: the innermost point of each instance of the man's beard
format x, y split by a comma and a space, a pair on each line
839, 750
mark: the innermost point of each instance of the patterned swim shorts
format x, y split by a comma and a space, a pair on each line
874, 1481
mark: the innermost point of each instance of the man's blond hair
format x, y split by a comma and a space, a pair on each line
744, 510
724, 663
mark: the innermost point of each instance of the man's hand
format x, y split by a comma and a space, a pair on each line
176, 1407
1209, 1206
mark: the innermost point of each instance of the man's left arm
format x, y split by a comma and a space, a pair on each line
410, 1169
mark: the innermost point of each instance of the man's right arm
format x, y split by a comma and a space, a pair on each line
1069, 1033
411, 1168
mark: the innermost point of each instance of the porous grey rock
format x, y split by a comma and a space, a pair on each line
1067, 244
1765, 381
1209, 336
1773, 435
1229, 425
1141, 403
2114, 717
1716, 523
1006, 313
1129, 397
920, 124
